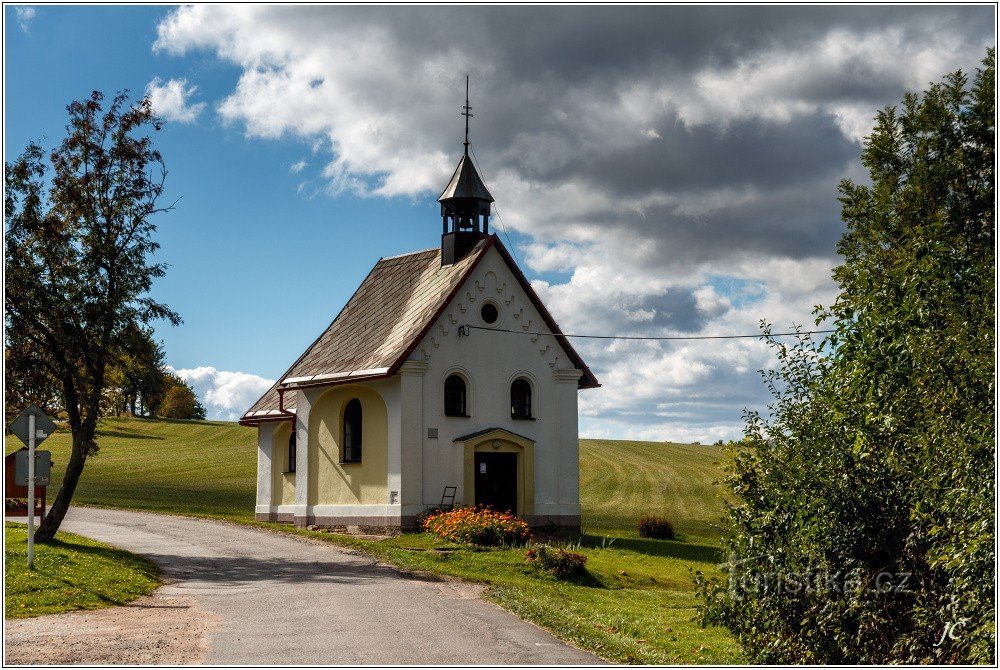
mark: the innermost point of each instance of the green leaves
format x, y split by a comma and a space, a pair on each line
78, 253
877, 456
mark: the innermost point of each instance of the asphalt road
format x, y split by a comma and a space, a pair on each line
278, 599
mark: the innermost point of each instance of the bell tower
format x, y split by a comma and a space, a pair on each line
465, 204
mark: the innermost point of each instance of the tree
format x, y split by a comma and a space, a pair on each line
26, 383
864, 527
78, 268
141, 367
180, 402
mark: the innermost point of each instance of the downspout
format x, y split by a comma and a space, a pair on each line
281, 406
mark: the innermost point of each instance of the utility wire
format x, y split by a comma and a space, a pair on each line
608, 337
640, 337
495, 208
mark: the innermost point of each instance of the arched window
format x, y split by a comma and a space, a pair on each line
352, 431
520, 399
454, 396
291, 451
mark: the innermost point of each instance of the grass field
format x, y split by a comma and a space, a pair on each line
636, 606
202, 468
621, 481
73, 573
209, 468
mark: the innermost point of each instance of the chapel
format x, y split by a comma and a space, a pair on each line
443, 379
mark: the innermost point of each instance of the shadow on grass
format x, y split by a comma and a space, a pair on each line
101, 591
136, 492
588, 579
110, 554
185, 422
127, 436
701, 553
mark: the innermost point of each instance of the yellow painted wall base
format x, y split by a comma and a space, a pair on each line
332, 482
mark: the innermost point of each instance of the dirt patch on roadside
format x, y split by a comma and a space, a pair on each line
155, 630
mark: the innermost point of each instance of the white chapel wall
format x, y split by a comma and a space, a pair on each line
490, 362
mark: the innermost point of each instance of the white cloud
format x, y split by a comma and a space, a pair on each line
681, 178
298, 166
225, 395
780, 82
170, 100
25, 15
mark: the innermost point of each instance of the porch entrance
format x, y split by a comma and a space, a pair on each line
496, 480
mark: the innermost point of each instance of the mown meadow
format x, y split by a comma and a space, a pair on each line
635, 605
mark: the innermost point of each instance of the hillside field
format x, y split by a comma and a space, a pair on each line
636, 604
210, 468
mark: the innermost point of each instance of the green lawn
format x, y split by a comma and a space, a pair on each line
621, 481
636, 606
201, 468
72, 573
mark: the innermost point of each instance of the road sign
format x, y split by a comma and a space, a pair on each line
43, 468
43, 425
32, 427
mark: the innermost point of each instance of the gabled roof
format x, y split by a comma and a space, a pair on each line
384, 321
466, 183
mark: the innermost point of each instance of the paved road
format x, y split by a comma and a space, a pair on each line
279, 599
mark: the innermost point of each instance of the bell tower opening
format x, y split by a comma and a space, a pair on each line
465, 204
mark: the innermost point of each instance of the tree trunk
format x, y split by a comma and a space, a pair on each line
74, 468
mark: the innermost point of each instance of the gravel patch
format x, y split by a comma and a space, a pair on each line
153, 630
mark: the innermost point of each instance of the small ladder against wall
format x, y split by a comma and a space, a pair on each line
448, 497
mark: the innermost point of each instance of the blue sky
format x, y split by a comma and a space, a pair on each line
235, 241
661, 170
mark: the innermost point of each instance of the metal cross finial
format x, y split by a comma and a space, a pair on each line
467, 114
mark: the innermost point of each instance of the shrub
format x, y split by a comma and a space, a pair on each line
863, 518
560, 563
480, 526
656, 527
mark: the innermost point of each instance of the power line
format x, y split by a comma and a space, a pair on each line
608, 337
496, 209
464, 330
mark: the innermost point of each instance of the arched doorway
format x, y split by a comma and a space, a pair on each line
500, 470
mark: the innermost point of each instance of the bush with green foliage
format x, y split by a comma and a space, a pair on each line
864, 515
558, 562
656, 527
179, 401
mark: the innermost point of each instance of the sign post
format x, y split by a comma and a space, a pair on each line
32, 426
31, 491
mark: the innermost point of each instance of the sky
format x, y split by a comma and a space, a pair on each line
657, 170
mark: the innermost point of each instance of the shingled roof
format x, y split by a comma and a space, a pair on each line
383, 322
466, 183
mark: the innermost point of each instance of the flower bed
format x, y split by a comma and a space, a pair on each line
480, 526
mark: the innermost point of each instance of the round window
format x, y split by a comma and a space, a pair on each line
489, 312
